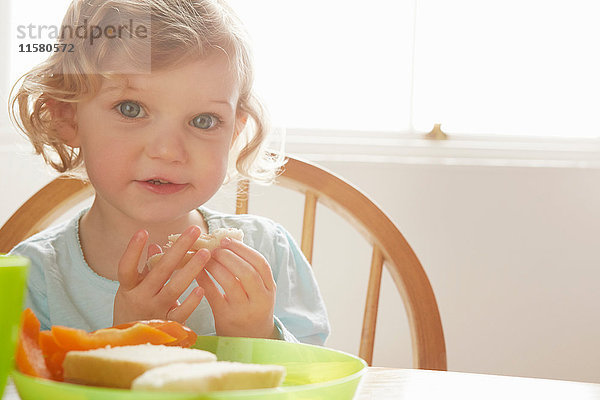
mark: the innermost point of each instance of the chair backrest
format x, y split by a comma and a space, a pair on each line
390, 248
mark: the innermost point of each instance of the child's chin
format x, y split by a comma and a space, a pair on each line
162, 215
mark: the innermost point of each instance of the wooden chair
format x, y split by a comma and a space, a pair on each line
389, 247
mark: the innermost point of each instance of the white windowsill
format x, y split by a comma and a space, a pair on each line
409, 148
467, 150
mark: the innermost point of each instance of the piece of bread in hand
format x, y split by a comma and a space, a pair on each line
207, 377
205, 241
119, 366
213, 240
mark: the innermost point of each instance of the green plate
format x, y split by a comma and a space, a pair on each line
313, 372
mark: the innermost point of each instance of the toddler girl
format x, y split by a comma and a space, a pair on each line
152, 101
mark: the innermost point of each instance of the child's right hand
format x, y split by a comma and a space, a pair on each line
149, 296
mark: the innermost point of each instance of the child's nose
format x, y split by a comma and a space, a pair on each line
167, 145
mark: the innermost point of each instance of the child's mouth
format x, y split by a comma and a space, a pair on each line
162, 186
157, 182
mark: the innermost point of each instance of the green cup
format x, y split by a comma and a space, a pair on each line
13, 278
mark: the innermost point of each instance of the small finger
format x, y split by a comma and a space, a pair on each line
153, 249
233, 288
154, 258
182, 312
127, 272
164, 268
252, 257
247, 275
153, 255
184, 277
211, 292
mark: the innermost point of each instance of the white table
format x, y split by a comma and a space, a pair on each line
398, 384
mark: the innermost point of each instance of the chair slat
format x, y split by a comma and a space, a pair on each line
403, 266
308, 224
243, 192
367, 337
42, 209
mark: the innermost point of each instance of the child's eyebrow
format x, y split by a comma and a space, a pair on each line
126, 85
225, 102
122, 87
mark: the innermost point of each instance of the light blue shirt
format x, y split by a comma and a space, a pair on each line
63, 290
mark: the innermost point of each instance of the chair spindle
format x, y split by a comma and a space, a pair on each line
367, 337
308, 225
243, 193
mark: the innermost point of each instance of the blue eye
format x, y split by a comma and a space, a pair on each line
131, 109
204, 121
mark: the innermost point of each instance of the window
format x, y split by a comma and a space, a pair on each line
31, 22
511, 67
333, 64
516, 67
25, 22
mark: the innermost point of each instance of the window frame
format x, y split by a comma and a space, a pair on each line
409, 147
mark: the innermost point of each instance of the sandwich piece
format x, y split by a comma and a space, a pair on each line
119, 366
205, 241
208, 377
213, 240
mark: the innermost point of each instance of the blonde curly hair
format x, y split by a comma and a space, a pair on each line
179, 31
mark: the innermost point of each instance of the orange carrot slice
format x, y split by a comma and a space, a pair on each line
185, 337
42, 354
78, 339
28, 357
54, 355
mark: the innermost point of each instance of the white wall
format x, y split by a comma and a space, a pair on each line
513, 258
511, 253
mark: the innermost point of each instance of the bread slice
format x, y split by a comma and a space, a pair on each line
207, 377
205, 241
119, 366
213, 240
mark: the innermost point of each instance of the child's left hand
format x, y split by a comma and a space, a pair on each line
246, 307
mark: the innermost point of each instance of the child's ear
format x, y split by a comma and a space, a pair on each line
240, 123
64, 120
